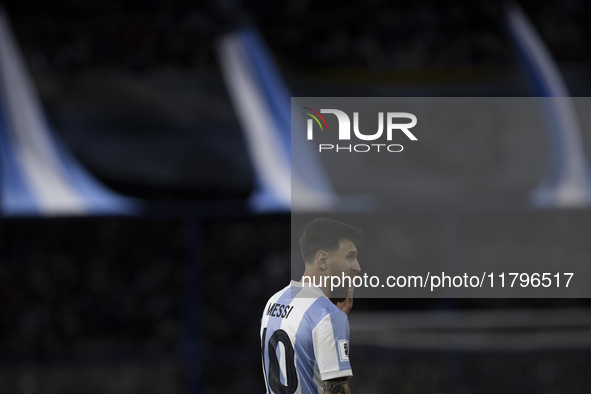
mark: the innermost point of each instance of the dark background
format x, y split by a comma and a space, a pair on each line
170, 302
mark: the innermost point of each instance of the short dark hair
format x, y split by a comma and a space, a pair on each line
326, 234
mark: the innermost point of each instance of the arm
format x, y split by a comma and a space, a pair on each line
331, 350
336, 386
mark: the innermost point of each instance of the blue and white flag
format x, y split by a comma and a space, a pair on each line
568, 182
262, 102
39, 175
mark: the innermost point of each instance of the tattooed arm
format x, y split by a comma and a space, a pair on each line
336, 386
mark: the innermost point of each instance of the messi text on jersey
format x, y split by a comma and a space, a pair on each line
279, 310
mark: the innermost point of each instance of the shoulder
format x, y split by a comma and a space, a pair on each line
327, 305
275, 297
323, 309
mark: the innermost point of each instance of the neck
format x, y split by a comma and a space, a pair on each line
316, 278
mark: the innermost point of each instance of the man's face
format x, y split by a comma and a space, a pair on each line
343, 260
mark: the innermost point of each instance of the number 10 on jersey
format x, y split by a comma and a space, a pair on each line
273, 375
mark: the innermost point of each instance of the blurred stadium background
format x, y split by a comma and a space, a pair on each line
167, 297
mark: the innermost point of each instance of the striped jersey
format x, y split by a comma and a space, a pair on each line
304, 340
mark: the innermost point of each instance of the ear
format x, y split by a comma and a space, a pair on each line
320, 261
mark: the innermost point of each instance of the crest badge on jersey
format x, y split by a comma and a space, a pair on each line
343, 350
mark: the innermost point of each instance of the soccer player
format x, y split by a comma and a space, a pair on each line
305, 335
